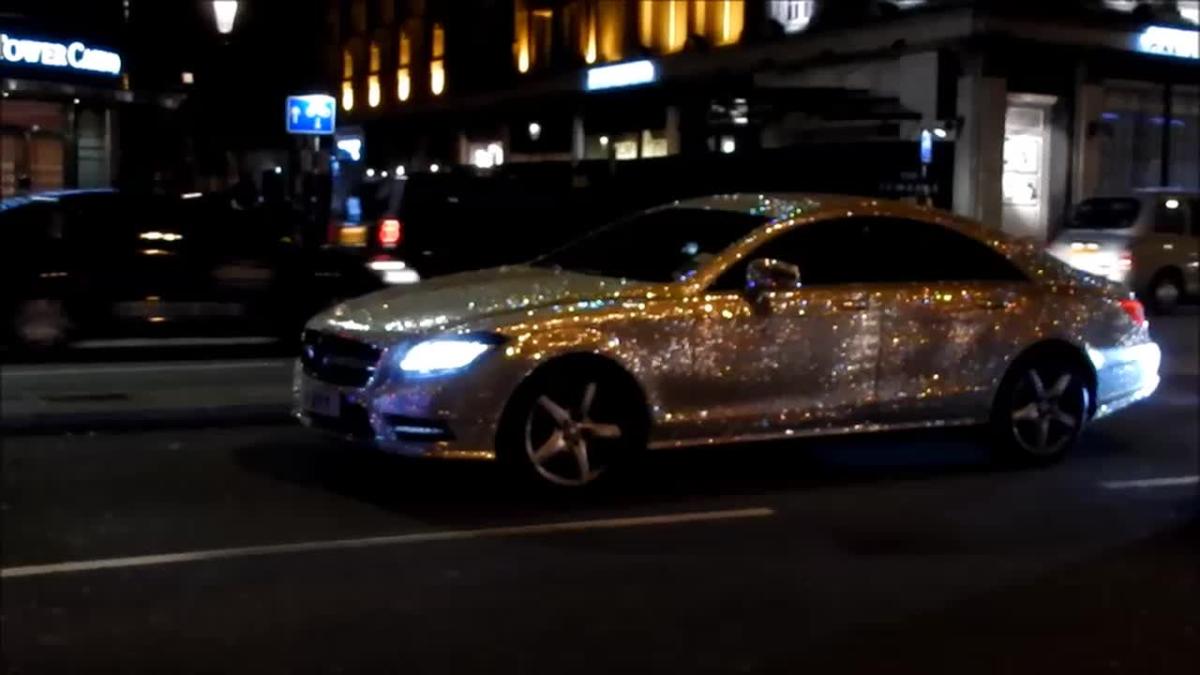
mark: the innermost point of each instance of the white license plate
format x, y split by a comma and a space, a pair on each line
322, 401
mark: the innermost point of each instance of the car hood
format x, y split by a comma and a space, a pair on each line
458, 301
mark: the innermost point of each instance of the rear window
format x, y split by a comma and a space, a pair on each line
1105, 214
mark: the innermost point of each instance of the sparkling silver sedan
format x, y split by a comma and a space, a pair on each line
729, 319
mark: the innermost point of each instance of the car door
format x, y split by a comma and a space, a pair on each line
953, 311
788, 360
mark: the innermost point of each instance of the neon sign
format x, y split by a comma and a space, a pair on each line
621, 75
1183, 44
70, 56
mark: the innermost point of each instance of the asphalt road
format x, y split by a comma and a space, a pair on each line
239, 548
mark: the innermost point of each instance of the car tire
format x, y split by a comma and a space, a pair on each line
572, 424
1041, 408
1165, 292
42, 324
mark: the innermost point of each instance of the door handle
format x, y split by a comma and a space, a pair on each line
994, 304
855, 305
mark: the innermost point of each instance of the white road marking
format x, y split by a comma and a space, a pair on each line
18, 371
176, 342
393, 540
1170, 481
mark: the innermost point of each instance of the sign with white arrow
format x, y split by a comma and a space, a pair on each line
312, 114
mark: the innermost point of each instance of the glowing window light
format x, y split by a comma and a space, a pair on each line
373, 92
347, 96
403, 78
437, 64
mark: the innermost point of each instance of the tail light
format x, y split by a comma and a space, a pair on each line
1137, 313
391, 232
1125, 261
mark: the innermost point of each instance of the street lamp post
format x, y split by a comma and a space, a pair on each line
225, 13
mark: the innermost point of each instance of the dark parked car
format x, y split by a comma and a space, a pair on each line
87, 264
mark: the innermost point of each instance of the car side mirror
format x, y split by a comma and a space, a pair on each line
766, 275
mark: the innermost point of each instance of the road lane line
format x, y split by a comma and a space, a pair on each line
16, 372
391, 540
1169, 481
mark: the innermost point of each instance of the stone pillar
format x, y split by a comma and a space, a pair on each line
672, 130
979, 149
1085, 160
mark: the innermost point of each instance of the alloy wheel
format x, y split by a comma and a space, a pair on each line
1044, 420
562, 441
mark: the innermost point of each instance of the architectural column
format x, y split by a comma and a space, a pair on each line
979, 149
1085, 160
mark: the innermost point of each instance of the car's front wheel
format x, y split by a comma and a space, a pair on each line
1041, 408
572, 424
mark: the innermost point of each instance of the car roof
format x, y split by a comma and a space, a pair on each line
778, 206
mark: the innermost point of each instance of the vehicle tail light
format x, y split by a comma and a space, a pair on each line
1125, 261
1137, 313
391, 232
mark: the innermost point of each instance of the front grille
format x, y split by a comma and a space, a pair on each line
338, 360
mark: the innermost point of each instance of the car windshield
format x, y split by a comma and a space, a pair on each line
659, 246
1105, 214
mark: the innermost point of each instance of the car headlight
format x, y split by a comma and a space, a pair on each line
441, 355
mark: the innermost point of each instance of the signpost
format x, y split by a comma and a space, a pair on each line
311, 115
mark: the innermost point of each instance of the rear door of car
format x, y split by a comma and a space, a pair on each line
953, 313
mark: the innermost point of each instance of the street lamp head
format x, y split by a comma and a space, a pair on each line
225, 12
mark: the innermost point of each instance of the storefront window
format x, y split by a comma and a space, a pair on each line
1134, 122
1185, 137
1130, 145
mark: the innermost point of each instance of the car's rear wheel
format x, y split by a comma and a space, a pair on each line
1041, 408
571, 425
1165, 292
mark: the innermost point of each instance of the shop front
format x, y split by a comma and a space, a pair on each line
57, 113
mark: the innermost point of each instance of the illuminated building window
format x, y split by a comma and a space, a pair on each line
663, 24
719, 21
793, 15
347, 80
403, 72
610, 30
374, 93
437, 61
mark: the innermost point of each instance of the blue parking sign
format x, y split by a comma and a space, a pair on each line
314, 114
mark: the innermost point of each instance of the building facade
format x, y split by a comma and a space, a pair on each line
1028, 106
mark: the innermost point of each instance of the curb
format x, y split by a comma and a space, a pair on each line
141, 420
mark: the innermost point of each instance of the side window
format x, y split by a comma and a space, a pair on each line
915, 251
828, 252
1170, 216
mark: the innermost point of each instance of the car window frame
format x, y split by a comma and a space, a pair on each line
1019, 275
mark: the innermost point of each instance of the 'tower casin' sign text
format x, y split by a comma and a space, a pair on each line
70, 56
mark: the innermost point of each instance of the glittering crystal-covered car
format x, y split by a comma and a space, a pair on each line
727, 319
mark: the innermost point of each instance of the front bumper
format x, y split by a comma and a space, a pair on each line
1125, 375
447, 418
